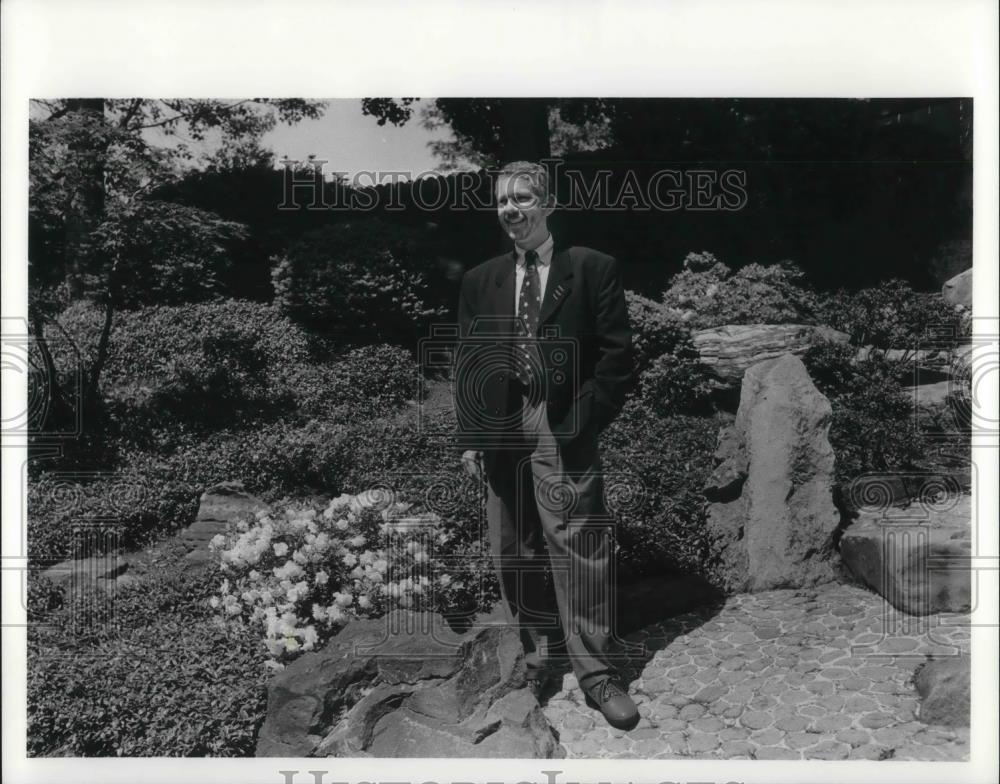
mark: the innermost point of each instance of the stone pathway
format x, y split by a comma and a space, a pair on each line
788, 674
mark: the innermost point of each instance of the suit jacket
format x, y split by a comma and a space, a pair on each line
584, 341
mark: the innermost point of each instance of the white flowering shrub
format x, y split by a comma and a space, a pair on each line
303, 572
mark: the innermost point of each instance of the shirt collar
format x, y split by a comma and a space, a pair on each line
544, 252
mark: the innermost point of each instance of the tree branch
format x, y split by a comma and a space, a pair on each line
130, 113
186, 115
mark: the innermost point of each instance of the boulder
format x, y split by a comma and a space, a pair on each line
916, 556
407, 685
944, 689
771, 515
728, 351
958, 290
219, 505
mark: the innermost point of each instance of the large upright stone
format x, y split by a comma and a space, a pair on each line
772, 514
406, 685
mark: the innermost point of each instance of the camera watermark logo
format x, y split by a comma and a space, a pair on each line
52, 372
484, 369
969, 365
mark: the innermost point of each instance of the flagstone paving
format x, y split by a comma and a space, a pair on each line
823, 674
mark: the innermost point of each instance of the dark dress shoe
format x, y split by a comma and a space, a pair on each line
613, 701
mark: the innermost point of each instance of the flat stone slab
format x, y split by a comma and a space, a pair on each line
729, 350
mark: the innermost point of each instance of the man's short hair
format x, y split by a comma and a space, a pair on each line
536, 174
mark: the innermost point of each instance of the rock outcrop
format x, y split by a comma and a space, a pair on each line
958, 290
406, 685
915, 556
772, 516
219, 505
944, 689
728, 351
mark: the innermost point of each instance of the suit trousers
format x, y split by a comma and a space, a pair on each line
551, 542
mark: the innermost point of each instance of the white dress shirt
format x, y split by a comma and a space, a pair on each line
544, 263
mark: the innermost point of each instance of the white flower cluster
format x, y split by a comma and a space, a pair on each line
303, 573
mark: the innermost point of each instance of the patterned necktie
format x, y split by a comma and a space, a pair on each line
529, 311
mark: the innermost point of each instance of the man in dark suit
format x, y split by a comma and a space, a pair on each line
543, 363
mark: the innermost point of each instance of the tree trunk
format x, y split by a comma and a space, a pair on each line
86, 203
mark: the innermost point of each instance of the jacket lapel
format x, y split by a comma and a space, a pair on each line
559, 283
503, 302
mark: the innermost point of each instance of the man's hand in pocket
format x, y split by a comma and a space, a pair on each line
472, 460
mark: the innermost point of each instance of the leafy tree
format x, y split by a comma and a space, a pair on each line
95, 228
361, 281
487, 130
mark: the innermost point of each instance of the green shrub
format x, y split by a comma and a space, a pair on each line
271, 459
363, 281
670, 375
145, 343
892, 316
872, 427
707, 294
655, 330
660, 464
141, 502
695, 287
166, 253
677, 383
151, 493
177, 374
366, 382
167, 680
199, 365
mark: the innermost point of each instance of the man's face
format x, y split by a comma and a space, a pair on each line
522, 214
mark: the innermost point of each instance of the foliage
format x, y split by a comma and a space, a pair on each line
154, 490
141, 502
164, 253
127, 246
677, 383
893, 316
655, 330
363, 281
362, 383
173, 368
707, 294
670, 374
872, 427
94, 231
94, 162
659, 466
160, 678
